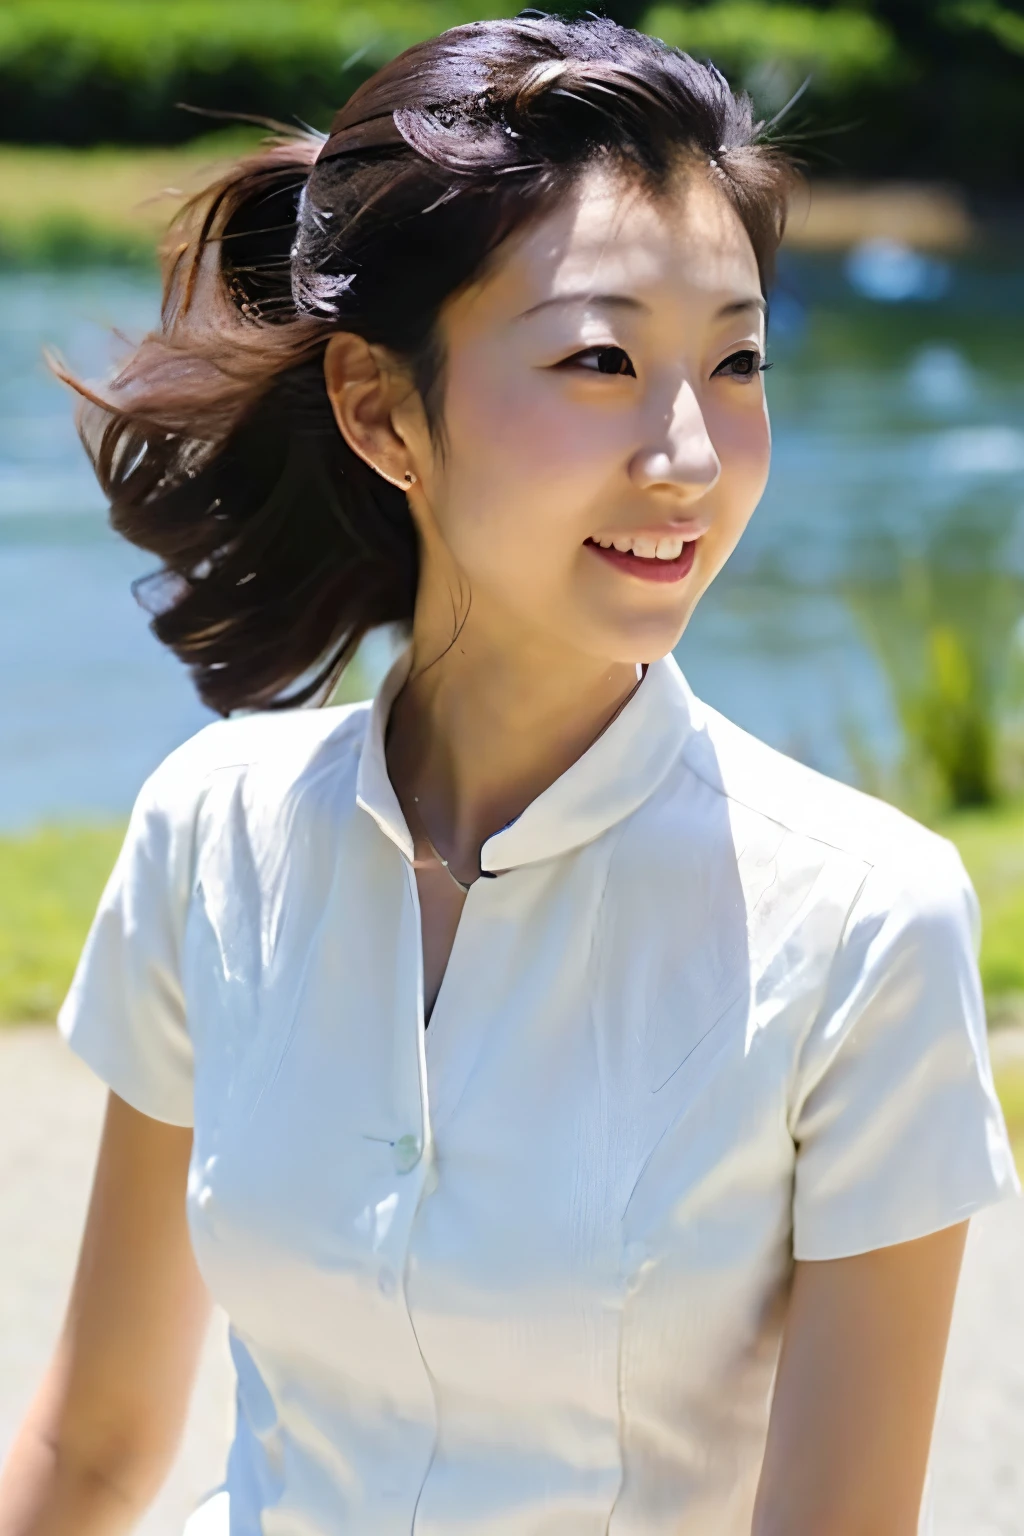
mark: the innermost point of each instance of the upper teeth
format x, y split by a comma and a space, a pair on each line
668, 547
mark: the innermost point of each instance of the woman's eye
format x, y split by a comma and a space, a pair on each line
602, 360
741, 365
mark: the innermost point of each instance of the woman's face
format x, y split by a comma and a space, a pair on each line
605, 431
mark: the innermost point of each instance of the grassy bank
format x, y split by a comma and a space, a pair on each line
1010, 1083
50, 882
68, 207
991, 844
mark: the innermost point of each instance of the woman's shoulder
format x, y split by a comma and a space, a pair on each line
760, 782
272, 753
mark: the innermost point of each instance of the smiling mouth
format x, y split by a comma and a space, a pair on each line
647, 567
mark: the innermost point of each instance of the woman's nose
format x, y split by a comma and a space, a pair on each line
679, 452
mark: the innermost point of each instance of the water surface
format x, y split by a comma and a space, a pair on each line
891, 419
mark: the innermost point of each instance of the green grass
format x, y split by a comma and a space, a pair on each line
70, 208
50, 882
991, 844
1010, 1087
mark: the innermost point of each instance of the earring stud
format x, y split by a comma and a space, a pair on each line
409, 477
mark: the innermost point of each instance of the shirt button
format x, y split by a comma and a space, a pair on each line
386, 1282
407, 1153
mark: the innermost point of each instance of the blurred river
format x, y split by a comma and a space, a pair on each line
897, 400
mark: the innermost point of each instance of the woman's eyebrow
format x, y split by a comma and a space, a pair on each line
738, 306
629, 302
608, 300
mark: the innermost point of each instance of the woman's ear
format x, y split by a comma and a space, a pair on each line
364, 388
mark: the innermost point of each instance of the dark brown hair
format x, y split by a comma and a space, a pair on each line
216, 443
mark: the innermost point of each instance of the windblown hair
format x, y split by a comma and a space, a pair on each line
216, 443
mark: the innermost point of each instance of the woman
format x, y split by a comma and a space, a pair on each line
706, 1063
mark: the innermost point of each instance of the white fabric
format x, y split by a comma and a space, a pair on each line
211, 1518
522, 1274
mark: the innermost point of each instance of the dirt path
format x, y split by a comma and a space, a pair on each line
50, 1112
50, 1108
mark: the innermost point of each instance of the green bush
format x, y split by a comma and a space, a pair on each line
840, 47
942, 624
114, 71
897, 87
88, 71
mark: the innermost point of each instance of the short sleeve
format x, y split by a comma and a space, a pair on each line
897, 1127
125, 1012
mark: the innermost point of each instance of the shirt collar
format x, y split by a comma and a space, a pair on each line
615, 775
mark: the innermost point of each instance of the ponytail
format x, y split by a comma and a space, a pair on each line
217, 448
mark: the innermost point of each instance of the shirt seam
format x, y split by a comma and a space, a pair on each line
615, 833
252, 759
791, 1109
183, 903
758, 810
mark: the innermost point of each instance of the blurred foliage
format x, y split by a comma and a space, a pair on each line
943, 623
909, 88
953, 720
115, 71
355, 684
897, 87
772, 46
1006, 26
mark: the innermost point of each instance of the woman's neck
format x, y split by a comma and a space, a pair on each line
480, 730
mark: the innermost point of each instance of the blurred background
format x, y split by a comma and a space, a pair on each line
872, 622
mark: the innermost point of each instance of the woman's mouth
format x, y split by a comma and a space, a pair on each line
648, 567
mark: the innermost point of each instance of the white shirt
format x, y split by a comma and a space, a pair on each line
522, 1273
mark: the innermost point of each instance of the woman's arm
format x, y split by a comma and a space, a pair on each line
856, 1390
100, 1436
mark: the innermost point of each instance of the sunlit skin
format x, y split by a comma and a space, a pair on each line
544, 450
602, 379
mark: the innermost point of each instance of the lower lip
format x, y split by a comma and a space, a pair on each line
649, 569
